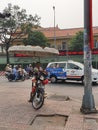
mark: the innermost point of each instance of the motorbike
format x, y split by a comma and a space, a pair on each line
38, 90
11, 77
7, 73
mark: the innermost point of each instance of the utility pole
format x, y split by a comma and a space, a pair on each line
88, 104
54, 28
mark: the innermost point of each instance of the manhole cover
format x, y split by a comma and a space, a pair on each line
50, 120
59, 97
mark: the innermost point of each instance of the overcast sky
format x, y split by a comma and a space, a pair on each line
68, 13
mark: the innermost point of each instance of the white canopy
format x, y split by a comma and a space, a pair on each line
34, 51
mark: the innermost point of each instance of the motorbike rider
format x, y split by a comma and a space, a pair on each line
8, 68
15, 71
20, 71
38, 67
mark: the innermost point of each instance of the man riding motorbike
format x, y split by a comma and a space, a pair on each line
16, 74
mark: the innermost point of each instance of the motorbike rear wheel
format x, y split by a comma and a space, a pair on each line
38, 99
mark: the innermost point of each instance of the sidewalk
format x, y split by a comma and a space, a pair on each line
75, 121
54, 115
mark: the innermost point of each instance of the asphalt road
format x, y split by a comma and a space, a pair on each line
16, 113
74, 90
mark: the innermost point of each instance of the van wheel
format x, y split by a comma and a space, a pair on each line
53, 79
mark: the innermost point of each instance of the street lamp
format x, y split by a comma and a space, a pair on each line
88, 105
54, 28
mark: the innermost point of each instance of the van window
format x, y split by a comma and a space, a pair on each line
62, 65
53, 65
72, 66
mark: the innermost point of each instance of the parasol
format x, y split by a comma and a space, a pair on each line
34, 51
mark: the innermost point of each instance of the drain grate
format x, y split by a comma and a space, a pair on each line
54, 120
59, 97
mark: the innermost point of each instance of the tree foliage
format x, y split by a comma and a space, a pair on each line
76, 43
36, 38
17, 25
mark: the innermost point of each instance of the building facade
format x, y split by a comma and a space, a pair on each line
60, 40
63, 36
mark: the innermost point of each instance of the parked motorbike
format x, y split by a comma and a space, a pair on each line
39, 81
11, 77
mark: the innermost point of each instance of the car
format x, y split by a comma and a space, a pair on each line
68, 70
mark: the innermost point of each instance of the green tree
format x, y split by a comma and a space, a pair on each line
76, 42
17, 25
36, 38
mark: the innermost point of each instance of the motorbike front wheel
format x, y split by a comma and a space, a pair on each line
38, 99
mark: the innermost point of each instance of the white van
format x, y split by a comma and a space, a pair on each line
74, 71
